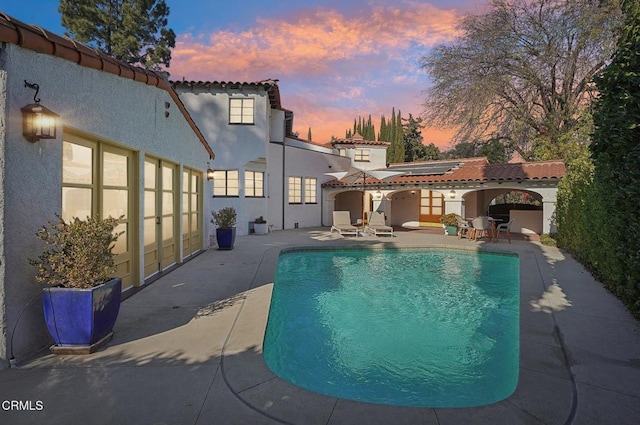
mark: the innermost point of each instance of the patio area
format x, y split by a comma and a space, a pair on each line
187, 350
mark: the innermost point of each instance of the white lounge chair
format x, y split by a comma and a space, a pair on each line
377, 226
505, 227
342, 223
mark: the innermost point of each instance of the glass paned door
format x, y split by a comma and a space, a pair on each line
191, 212
160, 214
431, 206
98, 178
151, 219
117, 202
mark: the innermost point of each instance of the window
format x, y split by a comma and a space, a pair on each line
310, 190
361, 155
295, 190
253, 184
225, 183
342, 152
240, 111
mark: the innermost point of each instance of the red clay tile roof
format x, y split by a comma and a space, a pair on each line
479, 170
39, 40
271, 86
357, 139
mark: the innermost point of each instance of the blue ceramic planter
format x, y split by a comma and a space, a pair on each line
81, 317
225, 238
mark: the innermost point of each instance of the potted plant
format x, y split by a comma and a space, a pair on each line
82, 301
260, 226
225, 221
450, 223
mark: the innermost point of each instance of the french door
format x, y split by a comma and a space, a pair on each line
191, 212
98, 178
160, 215
431, 206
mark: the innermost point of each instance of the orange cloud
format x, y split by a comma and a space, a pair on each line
332, 67
310, 44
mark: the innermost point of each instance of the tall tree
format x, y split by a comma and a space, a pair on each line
522, 69
134, 31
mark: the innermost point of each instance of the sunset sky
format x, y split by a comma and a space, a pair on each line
335, 60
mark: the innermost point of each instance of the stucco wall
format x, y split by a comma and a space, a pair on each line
302, 162
405, 208
113, 109
235, 146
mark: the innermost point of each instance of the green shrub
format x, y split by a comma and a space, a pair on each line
225, 218
548, 240
79, 252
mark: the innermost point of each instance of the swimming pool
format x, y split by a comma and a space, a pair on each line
427, 327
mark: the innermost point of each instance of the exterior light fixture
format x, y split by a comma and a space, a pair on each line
452, 194
209, 172
38, 121
378, 194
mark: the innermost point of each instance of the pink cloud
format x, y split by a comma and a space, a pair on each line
332, 66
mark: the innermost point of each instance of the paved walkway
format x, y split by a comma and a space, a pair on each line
187, 350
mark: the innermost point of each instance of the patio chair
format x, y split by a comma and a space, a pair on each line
506, 227
377, 226
463, 227
342, 223
481, 227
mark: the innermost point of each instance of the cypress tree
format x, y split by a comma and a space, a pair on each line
398, 151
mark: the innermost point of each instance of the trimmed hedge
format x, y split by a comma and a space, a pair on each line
599, 199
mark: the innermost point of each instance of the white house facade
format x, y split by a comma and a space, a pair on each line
124, 146
261, 168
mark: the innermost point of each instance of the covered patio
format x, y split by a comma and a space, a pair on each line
469, 187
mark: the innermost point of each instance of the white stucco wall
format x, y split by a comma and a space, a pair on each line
236, 146
98, 104
308, 162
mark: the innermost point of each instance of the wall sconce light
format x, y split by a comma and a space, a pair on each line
38, 122
452, 194
378, 194
209, 172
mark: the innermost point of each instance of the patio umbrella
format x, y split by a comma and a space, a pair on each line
357, 175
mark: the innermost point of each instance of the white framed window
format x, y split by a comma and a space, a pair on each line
253, 184
310, 191
225, 183
295, 190
241, 110
342, 152
361, 155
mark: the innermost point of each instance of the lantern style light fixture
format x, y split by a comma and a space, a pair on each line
38, 121
209, 172
452, 194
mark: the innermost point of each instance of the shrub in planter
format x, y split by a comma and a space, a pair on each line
225, 221
82, 303
450, 223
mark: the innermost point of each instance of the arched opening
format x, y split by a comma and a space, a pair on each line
356, 202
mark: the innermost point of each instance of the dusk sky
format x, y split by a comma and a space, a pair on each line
335, 60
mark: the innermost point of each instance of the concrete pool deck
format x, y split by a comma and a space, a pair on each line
187, 350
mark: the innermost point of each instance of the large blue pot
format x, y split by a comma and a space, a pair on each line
226, 238
82, 317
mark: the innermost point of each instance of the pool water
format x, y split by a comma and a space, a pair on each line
429, 328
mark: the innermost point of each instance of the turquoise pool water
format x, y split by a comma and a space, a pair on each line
429, 328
